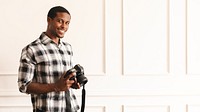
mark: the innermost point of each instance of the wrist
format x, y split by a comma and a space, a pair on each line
54, 88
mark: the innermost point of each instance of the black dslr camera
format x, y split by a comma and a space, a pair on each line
78, 69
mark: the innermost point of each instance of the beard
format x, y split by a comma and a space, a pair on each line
57, 34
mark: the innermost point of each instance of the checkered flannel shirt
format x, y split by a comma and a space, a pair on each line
43, 61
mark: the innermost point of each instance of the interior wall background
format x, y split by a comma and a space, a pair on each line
139, 55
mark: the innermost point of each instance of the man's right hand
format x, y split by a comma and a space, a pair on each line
64, 84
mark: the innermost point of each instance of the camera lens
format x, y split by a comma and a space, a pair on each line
82, 79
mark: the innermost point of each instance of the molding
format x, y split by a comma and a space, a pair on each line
5, 74
116, 93
125, 107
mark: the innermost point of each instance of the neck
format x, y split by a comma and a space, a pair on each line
53, 38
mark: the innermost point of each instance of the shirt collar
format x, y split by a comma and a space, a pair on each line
46, 40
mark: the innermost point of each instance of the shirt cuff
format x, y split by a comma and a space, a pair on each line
23, 87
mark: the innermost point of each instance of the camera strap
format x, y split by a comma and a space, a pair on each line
83, 99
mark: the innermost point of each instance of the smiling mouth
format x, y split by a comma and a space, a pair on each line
61, 31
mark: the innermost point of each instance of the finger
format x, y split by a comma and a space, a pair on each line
76, 86
71, 75
68, 76
69, 72
69, 83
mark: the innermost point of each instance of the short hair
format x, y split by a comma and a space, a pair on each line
53, 11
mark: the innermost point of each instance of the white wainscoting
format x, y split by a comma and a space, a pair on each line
139, 55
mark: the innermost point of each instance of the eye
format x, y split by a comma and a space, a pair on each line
60, 21
67, 23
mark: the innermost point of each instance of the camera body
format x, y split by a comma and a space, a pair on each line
78, 69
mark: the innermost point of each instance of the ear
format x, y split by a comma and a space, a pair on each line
49, 19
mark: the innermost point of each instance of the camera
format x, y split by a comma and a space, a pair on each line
78, 69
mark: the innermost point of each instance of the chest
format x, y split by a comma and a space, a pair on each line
53, 56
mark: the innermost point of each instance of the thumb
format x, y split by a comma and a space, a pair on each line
69, 74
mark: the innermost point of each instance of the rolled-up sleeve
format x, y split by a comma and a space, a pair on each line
26, 69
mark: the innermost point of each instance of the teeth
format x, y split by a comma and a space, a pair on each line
63, 31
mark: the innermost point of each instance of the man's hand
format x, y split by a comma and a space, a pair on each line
64, 84
76, 85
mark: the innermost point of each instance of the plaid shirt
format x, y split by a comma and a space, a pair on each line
43, 61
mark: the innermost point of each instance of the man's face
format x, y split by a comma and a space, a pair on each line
59, 25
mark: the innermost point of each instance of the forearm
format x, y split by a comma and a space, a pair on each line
62, 84
38, 88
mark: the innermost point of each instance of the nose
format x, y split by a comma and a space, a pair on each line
64, 26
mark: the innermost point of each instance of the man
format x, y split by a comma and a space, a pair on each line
43, 64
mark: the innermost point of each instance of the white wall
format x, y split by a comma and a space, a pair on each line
139, 55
